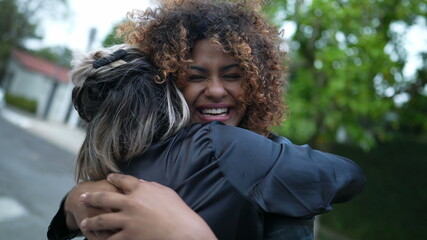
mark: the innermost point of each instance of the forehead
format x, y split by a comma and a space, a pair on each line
208, 52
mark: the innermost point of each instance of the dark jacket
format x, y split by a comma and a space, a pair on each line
233, 178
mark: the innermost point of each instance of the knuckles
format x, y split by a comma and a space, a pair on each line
100, 221
99, 198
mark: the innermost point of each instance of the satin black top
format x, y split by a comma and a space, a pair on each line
231, 176
245, 186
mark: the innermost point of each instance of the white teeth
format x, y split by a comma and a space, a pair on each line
215, 111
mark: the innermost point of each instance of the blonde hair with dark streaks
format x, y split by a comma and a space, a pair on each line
126, 110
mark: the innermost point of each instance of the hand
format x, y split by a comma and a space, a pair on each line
75, 211
148, 210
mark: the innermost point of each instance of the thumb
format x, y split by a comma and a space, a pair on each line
126, 183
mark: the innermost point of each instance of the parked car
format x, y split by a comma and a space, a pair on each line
2, 99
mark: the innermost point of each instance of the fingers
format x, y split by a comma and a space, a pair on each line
90, 235
98, 235
103, 225
126, 183
94, 186
70, 220
118, 236
104, 200
102, 235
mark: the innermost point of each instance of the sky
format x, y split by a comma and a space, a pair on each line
415, 41
73, 31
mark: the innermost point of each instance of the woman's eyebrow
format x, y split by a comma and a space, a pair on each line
227, 67
200, 69
221, 69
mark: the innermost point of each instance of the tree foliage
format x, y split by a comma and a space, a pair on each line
19, 20
413, 114
58, 54
345, 59
15, 28
112, 38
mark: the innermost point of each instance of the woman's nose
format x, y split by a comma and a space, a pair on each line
215, 89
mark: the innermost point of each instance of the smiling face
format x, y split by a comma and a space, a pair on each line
213, 87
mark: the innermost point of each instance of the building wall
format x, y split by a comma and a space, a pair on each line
38, 87
59, 106
27, 84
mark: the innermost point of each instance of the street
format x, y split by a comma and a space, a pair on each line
34, 176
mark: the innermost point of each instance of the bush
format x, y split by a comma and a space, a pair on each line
23, 103
393, 204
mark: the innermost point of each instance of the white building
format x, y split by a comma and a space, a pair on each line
45, 82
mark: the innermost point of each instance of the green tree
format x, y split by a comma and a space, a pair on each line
15, 28
413, 114
18, 23
58, 54
344, 59
112, 38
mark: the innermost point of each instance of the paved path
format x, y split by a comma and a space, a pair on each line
36, 170
62, 135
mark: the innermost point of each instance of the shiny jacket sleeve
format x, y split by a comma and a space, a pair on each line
57, 229
284, 178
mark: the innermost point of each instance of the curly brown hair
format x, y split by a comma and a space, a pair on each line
168, 33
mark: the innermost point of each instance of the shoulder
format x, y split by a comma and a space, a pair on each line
234, 146
228, 134
279, 139
244, 157
235, 141
220, 133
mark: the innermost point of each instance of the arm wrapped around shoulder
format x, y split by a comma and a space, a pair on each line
285, 179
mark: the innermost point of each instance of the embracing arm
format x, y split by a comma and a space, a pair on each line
285, 179
146, 210
64, 224
58, 228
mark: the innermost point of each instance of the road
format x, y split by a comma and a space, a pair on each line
34, 176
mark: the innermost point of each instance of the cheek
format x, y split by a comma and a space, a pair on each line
237, 92
187, 94
191, 93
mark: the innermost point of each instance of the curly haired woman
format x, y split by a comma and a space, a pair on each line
170, 33
227, 61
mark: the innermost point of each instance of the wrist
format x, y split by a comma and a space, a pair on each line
70, 220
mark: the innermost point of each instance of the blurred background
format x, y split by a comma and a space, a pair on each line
357, 87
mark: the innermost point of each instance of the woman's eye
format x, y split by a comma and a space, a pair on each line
232, 77
196, 78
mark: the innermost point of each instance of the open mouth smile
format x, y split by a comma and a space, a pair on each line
217, 112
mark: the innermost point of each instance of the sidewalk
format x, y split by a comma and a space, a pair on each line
60, 134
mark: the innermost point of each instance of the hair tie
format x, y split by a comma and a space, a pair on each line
110, 58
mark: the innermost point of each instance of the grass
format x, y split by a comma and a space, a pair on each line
393, 204
23, 103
